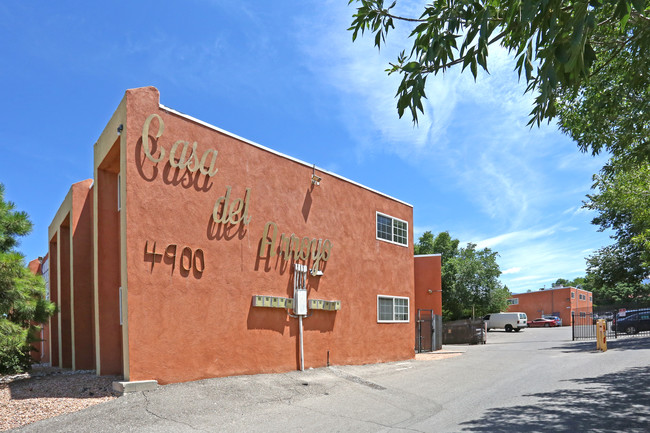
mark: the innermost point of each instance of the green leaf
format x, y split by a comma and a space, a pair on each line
411, 67
639, 5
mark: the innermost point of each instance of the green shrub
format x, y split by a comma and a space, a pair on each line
14, 348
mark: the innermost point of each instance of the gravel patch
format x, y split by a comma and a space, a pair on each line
46, 392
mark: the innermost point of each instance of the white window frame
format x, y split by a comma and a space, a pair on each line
573, 295
408, 309
392, 218
513, 301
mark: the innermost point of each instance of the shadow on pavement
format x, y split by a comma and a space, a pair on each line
609, 403
623, 343
78, 386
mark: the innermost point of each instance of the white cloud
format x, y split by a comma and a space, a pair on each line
472, 134
510, 186
517, 237
582, 210
526, 278
512, 271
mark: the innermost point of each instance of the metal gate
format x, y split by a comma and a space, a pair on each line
428, 331
623, 322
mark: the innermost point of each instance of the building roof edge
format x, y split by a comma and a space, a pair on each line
275, 152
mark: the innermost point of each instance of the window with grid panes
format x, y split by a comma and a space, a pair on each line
392, 229
392, 309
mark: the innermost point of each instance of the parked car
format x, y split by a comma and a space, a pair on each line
624, 313
556, 318
542, 323
507, 321
633, 323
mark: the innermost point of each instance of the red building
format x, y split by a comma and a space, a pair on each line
196, 253
556, 301
39, 266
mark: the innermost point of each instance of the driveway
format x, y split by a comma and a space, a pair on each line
532, 381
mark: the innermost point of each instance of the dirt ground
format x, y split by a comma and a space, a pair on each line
45, 392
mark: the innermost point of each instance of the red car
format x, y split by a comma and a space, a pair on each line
537, 323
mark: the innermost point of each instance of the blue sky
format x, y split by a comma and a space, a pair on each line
287, 75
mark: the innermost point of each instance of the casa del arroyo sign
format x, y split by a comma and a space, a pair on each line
226, 210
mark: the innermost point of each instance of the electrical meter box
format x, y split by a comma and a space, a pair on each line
300, 302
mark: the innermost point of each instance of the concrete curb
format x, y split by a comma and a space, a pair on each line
135, 386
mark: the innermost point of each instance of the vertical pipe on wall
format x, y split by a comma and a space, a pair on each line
302, 353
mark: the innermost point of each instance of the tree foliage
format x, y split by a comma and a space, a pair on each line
470, 277
565, 50
587, 63
22, 294
611, 108
622, 201
616, 276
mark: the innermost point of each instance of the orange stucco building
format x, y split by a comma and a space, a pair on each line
556, 301
428, 282
195, 253
41, 349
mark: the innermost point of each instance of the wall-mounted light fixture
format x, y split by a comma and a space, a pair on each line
120, 129
315, 179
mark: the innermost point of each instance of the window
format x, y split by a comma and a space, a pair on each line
583, 314
513, 301
392, 309
392, 229
573, 295
590, 299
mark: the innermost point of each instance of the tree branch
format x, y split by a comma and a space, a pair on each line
462, 59
385, 13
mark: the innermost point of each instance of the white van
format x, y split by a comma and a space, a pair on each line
507, 321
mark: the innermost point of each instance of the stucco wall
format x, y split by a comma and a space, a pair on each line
551, 301
428, 284
82, 275
54, 289
70, 279
186, 322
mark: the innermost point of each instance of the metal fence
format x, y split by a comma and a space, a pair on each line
428, 331
621, 322
464, 332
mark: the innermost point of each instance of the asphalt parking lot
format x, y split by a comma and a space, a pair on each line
534, 380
